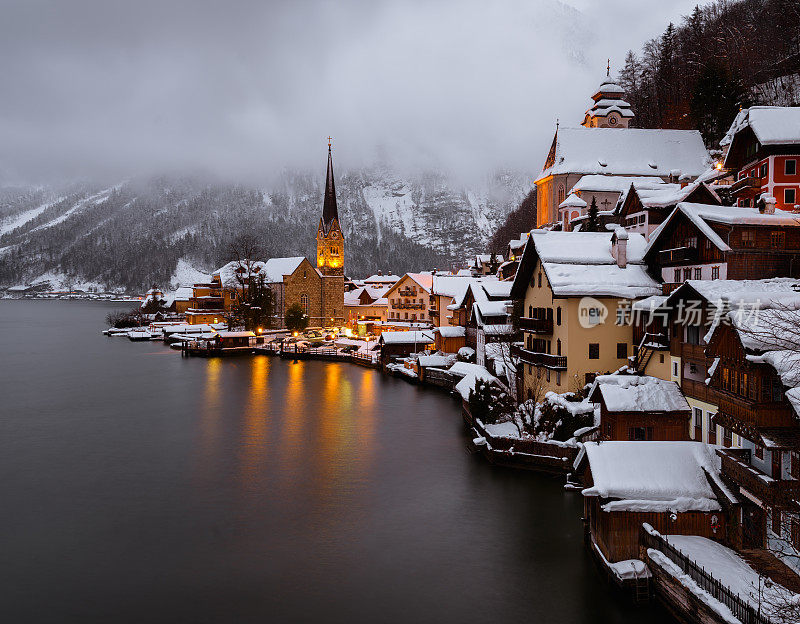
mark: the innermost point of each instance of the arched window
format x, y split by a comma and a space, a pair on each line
560, 194
530, 311
558, 315
304, 302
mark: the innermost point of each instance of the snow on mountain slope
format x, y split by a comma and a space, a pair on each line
16, 221
88, 201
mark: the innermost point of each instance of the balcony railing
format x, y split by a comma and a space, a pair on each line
536, 325
747, 183
556, 362
407, 292
408, 306
749, 413
698, 390
737, 468
678, 254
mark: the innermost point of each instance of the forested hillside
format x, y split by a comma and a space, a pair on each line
724, 55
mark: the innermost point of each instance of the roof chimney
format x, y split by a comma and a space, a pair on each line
766, 204
380, 272
684, 180
619, 247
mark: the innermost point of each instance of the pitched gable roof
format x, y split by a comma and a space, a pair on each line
626, 151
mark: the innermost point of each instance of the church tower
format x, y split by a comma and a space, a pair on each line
330, 240
610, 110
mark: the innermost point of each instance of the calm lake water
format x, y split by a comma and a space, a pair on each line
139, 486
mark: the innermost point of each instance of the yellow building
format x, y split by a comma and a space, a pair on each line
569, 292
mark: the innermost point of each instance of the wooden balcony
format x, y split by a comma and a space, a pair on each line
536, 325
698, 390
407, 292
745, 184
536, 358
677, 255
748, 413
736, 468
696, 353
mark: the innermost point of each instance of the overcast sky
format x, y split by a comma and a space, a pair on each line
245, 87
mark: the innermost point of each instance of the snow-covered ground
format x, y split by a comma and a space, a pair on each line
729, 568
12, 223
187, 275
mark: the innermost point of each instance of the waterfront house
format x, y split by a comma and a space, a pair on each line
763, 151
409, 299
639, 408
398, 344
366, 304
756, 378
673, 486
449, 339
568, 293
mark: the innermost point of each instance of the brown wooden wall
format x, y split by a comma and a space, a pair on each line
617, 533
665, 426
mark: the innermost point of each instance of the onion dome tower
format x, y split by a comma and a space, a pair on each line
610, 110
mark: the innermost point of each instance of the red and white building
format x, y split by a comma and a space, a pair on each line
764, 152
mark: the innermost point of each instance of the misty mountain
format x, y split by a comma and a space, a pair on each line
165, 230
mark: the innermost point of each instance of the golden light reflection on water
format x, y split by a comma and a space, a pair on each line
256, 414
210, 409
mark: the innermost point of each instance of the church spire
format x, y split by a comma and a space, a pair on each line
329, 209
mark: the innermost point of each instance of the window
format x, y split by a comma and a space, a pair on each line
660, 358
771, 389
558, 346
637, 433
777, 240
674, 369
540, 280
622, 350
712, 429
560, 194
759, 451
530, 394
727, 437
558, 315
594, 351
693, 334
548, 375
714, 273
304, 302
748, 238
687, 274
677, 276
529, 342
558, 378
698, 417
790, 167
698, 274
762, 170
788, 196
530, 311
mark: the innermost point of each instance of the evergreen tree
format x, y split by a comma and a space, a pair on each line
593, 219
296, 319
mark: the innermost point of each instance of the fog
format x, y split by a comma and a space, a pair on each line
245, 88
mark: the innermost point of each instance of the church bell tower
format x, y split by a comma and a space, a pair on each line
330, 240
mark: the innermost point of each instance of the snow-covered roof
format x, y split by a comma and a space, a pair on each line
408, 337
772, 125
502, 329
616, 183
654, 476
496, 289
491, 308
583, 247
580, 263
235, 334
382, 279
669, 194
455, 331
573, 201
450, 285
627, 151
631, 393
434, 360
470, 374
767, 292
703, 214
273, 269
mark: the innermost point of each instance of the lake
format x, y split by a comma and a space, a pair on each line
140, 486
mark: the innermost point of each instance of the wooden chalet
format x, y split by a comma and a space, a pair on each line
640, 408
644, 209
753, 378
673, 486
709, 242
399, 344
450, 339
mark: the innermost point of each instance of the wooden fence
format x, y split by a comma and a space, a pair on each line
741, 609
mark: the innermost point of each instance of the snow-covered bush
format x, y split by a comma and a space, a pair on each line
489, 403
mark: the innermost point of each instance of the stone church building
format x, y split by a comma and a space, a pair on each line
320, 290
